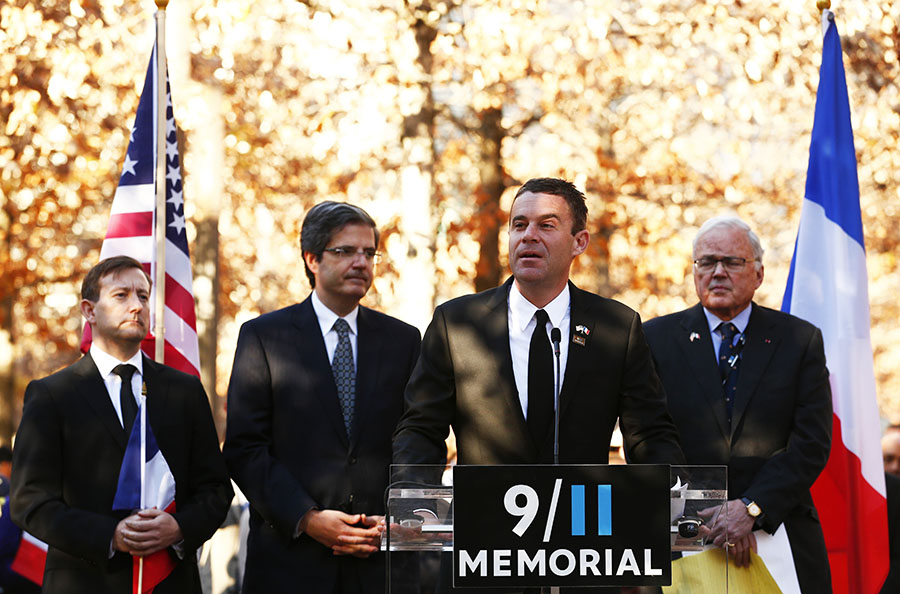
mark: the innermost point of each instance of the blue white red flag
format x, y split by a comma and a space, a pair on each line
155, 488
828, 286
131, 230
30, 559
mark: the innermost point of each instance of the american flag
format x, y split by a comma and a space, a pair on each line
131, 230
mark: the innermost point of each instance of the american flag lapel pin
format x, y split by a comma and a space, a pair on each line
694, 336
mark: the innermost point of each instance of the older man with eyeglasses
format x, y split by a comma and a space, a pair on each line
747, 386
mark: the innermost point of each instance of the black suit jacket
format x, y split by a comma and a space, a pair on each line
68, 453
780, 436
892, 486
464, 378
287, 448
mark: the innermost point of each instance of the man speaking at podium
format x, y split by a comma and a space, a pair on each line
487, 364
764, 409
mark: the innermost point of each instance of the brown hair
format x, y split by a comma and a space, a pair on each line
90, 287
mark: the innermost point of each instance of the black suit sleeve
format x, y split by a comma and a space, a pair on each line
201, 513
38, 496
648, 431
788, 475
430, 401
275, 492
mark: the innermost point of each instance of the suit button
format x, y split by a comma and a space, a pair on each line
351, 497
352, 460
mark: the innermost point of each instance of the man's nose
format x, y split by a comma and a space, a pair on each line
531, 232
135, 303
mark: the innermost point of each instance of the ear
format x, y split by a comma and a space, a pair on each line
582, 239
87, 310
760, 274
312, 262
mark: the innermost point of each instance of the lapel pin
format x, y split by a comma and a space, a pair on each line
581, 334
768, 341
694, 336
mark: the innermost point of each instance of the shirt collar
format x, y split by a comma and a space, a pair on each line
327, 318
522, 310
106, 363
740, 321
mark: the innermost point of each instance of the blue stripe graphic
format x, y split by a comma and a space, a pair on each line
604, 510
577, 510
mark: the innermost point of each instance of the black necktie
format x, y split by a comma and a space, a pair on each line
729, 357
540, 380
344, 372
126, 396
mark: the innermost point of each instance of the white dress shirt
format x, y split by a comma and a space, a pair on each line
740, 321
105, 364
521, 327
327, 318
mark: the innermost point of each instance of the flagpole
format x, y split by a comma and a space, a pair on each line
143, 421
160, 232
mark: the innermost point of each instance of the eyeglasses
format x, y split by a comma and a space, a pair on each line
346, 252
730, 263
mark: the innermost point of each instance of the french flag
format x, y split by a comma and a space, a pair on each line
828, 286
30, 559
150, 485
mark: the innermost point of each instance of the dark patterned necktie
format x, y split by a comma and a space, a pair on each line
126, 396
540, 380
729, 358
344, 372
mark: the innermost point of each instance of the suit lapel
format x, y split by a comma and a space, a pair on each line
495, 326
369, 343
312, 357
581, 324
696, 344
90, 386
761, 341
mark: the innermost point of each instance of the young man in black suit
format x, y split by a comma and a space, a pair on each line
747, 387
72, 439
315, 393
477, 374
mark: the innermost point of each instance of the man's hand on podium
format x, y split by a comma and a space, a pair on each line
740, 550
732, 530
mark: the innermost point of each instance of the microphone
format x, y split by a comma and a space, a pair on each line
556, 338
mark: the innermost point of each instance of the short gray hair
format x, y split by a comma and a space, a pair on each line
730, 222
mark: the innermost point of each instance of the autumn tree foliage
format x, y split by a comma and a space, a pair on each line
429, 114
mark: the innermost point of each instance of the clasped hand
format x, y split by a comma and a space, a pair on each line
146, 532
345, 534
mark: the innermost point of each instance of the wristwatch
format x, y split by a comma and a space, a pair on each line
752, 508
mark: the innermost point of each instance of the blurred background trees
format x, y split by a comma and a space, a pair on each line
429, 113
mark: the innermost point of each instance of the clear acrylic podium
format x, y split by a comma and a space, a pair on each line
418, 540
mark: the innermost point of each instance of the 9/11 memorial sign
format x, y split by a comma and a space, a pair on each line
589, 525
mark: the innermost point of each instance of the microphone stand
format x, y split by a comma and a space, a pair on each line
555, 338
